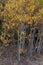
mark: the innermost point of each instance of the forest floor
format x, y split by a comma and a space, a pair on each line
9, 57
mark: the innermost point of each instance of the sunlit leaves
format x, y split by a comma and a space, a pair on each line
15, 11
41, 11
1, 37
20, 10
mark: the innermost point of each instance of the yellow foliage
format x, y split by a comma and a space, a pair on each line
29, 36
16, 11
41, 11
30, 8
1, 37
20, 10
22, 33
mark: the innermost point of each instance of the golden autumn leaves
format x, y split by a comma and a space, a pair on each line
20, 10
16, 11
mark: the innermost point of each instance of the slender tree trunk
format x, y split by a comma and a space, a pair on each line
21, 39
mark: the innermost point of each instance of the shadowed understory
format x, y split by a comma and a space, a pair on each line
9, 57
